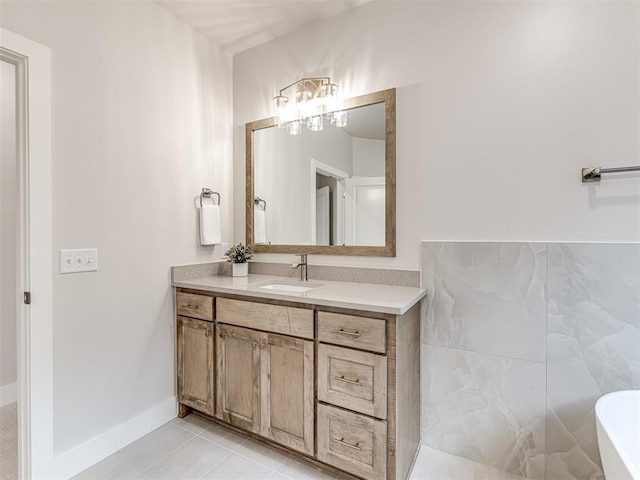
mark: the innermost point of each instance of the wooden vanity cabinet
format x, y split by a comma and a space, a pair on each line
339, 386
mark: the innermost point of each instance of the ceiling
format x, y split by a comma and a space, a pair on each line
239, 25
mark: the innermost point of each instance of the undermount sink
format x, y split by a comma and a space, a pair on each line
288, 287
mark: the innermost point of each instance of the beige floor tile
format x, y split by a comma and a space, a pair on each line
237, 467
484, 472
433, 464
140, 455
224, 436
262, 454
294, 468
193, 423
278, 476
9, 442
191, 461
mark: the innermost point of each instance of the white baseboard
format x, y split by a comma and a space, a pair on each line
74, 461
8, 394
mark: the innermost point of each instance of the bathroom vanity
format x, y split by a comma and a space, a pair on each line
328, 370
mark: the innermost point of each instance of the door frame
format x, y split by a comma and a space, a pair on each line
320, 167
35, 256
325, 193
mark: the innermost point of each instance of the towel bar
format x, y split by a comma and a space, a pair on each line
258, 201
207, 193
593, 174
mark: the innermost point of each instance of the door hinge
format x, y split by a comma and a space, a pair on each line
27, 298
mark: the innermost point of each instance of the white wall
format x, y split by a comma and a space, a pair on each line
8, 219
368, 157
499, 106
141, 122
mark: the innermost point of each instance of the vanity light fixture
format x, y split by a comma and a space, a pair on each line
314, 102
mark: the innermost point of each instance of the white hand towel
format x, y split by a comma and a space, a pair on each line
259, 226
210, 231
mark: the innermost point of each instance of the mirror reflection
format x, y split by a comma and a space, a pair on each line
322, 187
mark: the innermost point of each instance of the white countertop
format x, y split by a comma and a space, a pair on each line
356, 296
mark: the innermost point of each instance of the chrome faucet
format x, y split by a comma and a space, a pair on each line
303, 267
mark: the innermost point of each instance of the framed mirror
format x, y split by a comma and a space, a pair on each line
329, 192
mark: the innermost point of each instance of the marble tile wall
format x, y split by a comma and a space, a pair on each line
593, 343
519, 341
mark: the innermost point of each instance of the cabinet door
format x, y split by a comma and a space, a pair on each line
238, 363
195, 364
287, 391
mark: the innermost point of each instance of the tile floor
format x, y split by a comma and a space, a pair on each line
433, 464
195, 448
9, 442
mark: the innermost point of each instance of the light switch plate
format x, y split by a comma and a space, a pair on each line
78, 260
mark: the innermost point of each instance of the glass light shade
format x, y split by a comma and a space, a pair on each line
315, 123
294, 128
329, 90
280, 103
339, 119
303, 95
329, 93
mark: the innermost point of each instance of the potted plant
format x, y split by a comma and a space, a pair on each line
238, 256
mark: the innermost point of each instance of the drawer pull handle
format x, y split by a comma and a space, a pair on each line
195, 307
342, 331
348, 380
347, 444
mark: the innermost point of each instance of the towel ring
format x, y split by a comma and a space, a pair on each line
207, 193
258, 201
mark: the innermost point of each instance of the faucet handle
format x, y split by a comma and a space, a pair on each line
303, 261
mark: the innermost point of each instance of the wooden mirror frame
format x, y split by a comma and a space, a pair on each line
389, 249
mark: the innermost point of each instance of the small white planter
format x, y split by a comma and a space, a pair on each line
240, 269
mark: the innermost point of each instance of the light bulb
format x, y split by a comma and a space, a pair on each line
294, 128
339, 119
315, 123
329, 95
281, 110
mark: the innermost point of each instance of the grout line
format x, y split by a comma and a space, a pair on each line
165, 456
484, 353
187, 430
262, 464
218, 463
213, 441
546, 356
219, 444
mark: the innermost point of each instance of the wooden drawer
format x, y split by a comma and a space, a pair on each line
352, 442
195, 306
297, 322
353, 379
350, 331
